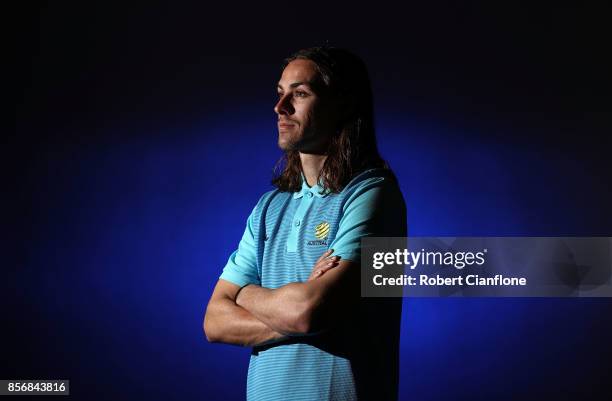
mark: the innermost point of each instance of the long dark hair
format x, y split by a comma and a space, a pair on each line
353, 148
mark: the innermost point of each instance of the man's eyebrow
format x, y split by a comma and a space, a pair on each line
296, 84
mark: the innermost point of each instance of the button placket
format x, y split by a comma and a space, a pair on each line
305, 203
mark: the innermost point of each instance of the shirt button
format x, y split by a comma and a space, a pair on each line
310, 194
297, 223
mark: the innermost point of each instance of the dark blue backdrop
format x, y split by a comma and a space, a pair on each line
145, 137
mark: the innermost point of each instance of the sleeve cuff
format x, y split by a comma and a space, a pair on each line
236, 278
353, 256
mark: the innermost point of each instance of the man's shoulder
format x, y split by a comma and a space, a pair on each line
370, 179
268, 197
373, 188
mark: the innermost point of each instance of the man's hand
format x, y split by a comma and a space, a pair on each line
323, 264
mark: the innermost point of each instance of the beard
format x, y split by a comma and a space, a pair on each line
290, 139
302, 138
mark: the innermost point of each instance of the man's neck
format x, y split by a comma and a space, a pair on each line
311, 166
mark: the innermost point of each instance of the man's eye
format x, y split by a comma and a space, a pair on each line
300, 94
280, 94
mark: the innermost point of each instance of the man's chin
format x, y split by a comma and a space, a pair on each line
285, 145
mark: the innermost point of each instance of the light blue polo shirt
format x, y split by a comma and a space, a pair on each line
285, 234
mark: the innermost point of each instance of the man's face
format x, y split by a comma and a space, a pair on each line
305, 113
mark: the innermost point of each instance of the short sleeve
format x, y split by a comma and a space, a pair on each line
241, 268
375, 209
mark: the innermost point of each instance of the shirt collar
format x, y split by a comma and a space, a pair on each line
316, 190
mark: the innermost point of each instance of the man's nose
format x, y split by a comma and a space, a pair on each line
283, 106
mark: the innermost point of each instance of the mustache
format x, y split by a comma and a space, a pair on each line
286, 121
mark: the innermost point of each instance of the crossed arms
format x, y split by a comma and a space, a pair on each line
256, 315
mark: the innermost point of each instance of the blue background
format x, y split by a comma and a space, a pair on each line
145, 137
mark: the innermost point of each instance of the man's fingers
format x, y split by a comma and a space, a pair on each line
327, 264
325, 254
324, 263
332, 260
320, 270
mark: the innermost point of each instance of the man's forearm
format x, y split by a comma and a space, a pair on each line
229, 323
305, 307
286, 309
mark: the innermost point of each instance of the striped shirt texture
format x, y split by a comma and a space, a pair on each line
285, 234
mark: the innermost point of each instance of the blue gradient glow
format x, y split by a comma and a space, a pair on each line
130, 234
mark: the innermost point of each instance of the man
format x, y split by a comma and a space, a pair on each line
291, 289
